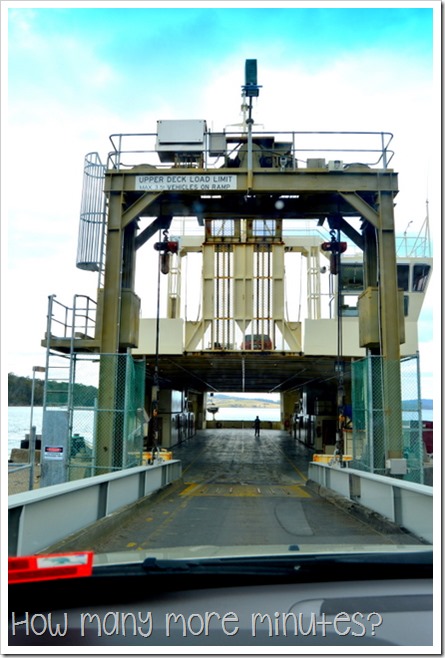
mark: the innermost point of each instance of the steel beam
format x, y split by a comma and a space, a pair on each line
388, 279
366, 211
119, 268
138, 207
270, 181
343, 226
160, 224
260, 206
113, 277
389, 323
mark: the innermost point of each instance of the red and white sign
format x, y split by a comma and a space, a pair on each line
55, 453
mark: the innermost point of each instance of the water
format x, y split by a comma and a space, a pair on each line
427, 414
245, 413
19, 423
19, 420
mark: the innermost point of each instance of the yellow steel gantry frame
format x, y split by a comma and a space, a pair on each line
329, 195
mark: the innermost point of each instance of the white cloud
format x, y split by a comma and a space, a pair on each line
68, 110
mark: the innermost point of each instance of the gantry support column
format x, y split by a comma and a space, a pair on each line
380, 269
119, 277
110, 325
388, 279
113, 278
389, 324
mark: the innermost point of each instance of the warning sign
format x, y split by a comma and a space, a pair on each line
54, 453
185, 182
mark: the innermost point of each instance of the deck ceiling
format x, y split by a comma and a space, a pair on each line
256, 372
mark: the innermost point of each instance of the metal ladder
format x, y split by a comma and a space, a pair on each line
70, 323
58, 377
92, 234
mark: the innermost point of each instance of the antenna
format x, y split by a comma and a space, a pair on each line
250, 89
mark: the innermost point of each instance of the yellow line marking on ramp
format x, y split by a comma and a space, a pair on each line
191, 490
302, 475
246, 491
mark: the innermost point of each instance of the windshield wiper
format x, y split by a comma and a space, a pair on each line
252, 565
129, 581
343, 565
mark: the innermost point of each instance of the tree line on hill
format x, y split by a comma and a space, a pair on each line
20, 392
20, 389
229, 401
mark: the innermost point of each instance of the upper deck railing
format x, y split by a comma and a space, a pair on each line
415, 245
289, 150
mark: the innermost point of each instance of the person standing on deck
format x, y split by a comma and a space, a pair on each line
257, 425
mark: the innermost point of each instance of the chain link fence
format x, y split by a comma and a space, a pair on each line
100, 401
107, 419
382, 429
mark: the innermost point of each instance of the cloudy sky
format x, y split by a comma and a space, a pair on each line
77, 72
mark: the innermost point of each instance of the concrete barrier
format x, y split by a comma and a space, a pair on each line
37, 519
21, 456
407, 504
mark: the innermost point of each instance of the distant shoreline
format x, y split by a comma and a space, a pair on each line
239, 403
225, 401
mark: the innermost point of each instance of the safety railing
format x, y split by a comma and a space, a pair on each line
84, 316
415, 245
76, 506
67, 321
407, 504
284, 149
